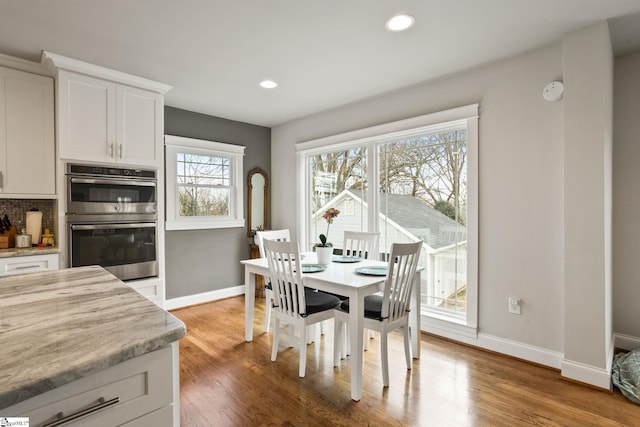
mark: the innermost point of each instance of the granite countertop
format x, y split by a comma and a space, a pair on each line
59, 326
12, 252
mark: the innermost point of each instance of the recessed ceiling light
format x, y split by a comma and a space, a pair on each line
268, 84
400, 22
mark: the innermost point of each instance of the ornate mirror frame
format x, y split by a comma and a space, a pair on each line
257, 201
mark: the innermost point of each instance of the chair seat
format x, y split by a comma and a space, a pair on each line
270, 287
372, 306
340, 297
319, 301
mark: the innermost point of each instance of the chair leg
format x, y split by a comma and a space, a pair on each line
384, 355
303, 351
407, 345
312, 333
276, 337
292, 335
268, 309
337, 341
346, 342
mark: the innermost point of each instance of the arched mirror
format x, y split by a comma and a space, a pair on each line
258, 183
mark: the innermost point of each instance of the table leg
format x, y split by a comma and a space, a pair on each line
414, 317
356, 323
249, 303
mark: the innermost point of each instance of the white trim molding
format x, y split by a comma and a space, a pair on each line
626, 342
180, 302
587, 374
178, 144
53, 61
467, 335
24, 65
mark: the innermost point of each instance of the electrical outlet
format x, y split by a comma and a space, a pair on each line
514, 305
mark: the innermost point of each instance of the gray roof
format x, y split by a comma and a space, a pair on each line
420, 219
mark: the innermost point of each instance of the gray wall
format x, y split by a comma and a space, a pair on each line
200, 261
626, 196
520, 182
522, 196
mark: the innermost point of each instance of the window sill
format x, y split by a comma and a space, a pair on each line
203, 225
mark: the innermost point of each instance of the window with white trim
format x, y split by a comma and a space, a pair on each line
413, 180
203, 184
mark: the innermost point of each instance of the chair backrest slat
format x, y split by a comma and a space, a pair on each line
361, 243
403, 263
286, 277
278, 235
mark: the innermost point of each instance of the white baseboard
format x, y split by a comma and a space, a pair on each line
587, 374
180, 302
626, 342
464, 334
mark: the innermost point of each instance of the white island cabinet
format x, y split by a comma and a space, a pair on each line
96, 354
27, 149
105, 116
17, 263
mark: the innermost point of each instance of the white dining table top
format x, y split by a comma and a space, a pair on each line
342, 273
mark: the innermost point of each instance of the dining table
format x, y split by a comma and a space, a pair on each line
352, 278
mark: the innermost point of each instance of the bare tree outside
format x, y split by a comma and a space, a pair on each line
203, 185
429, 167
336, 171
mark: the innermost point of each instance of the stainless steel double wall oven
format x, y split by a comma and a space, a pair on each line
112, 219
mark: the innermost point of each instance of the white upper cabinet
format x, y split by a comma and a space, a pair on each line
27, 144
106, 116
140, 127
87, 118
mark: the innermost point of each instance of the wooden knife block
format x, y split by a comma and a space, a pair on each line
8, 240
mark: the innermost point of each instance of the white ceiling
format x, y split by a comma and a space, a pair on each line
322, 53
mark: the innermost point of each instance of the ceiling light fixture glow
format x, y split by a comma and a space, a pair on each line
400, 22
268, 84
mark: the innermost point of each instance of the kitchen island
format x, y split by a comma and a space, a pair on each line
81, 331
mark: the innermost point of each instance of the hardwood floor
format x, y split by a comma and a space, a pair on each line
225, 381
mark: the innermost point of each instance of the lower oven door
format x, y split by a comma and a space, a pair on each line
128, 250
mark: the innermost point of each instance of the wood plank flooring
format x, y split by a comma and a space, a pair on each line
225, 381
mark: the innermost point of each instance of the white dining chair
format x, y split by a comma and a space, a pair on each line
362, 244
389, 311
282, 235
298, 306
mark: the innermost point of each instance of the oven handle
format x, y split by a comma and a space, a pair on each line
109, 226
139, 183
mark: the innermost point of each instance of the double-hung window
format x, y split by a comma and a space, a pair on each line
203, 184
414, 180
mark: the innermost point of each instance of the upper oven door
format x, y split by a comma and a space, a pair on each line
110, 195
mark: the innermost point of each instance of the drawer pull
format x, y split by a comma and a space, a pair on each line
26, 267
100, 405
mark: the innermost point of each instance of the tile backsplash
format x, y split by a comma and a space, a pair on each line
17, 209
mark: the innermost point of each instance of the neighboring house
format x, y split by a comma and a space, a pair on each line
404, 219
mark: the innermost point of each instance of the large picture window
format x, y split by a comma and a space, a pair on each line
410, 181
204, 184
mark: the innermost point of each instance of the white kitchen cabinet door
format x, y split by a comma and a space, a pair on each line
106, 122
27, 138
87, 118
139, 126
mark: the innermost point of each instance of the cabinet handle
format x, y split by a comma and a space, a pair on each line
120, 150
0, 179
26, 267
100, 405
111, 150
